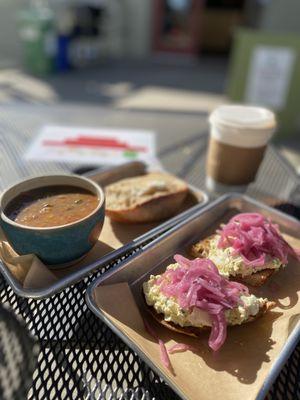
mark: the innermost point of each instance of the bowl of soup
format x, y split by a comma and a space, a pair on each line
57, 217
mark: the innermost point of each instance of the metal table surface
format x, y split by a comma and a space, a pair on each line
80, 358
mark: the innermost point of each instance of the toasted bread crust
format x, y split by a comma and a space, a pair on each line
259, 278
201, 248
150, 211
195, 331
141, 208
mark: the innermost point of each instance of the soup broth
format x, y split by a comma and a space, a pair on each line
51, 206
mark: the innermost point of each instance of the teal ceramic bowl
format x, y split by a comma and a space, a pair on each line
57, 245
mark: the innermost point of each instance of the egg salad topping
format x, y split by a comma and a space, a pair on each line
169, 307
153, 187
232, 265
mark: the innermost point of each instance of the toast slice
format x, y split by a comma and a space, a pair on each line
198, 331
162, 303
148, 198
206, 248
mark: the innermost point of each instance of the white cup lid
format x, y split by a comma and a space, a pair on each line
244, 126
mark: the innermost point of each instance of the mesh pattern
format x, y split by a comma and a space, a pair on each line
17, 356
81, 358
288, 383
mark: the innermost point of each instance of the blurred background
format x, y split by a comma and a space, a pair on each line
173, 56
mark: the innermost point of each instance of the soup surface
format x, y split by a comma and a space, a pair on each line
51, 206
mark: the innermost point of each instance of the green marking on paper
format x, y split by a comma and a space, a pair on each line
130, 154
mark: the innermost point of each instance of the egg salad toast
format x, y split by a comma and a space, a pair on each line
233, 266
191, 296
249, 249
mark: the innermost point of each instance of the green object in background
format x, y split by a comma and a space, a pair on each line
38, 39
265, 70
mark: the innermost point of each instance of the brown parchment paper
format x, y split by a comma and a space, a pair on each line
31, 273
239, 369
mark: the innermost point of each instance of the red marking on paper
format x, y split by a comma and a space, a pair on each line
92, 141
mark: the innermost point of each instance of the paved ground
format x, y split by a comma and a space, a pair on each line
115, 80
163, 85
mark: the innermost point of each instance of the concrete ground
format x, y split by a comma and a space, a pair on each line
170, 85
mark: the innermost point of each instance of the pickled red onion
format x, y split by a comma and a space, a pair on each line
178, 347
164, 354
162, 347
198, 283
253, 237
149, 329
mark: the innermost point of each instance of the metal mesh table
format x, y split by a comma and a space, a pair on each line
79, 357
17, 354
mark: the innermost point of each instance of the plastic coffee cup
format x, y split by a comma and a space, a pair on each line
238, 139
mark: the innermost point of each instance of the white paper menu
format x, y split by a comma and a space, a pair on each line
101, 146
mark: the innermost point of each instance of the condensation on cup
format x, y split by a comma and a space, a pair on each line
238, 139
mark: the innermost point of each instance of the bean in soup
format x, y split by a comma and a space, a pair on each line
51, 206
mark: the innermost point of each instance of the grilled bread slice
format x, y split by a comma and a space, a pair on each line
167, 311
233, 266
198, 331
147, 198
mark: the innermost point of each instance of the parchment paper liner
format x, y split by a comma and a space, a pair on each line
239, 369
32, 273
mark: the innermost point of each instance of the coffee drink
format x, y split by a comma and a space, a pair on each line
238, 139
